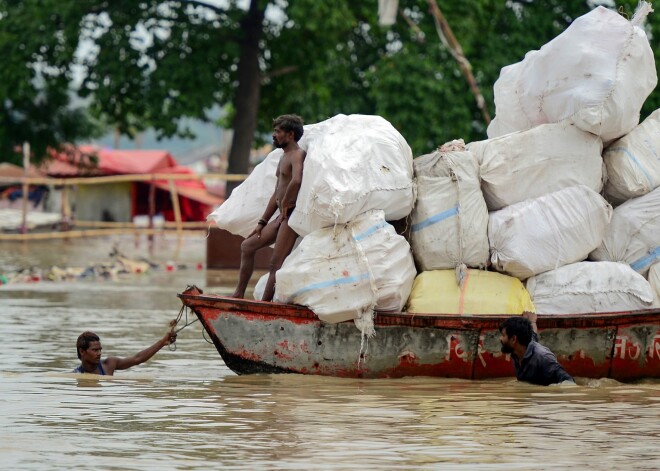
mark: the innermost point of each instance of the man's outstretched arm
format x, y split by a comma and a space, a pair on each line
144, 355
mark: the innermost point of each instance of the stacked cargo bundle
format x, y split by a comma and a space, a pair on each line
592, 81
498, 225
357, 176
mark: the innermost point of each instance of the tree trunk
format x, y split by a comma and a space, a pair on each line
246, 99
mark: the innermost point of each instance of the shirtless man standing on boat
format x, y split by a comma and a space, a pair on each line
287, 131
89, 350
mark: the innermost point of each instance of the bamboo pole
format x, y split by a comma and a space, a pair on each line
130, 225
139, 177
88, 233
152, 211
65, 209
177, 209
25, 187
448, 38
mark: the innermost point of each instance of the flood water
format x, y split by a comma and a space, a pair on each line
184, 410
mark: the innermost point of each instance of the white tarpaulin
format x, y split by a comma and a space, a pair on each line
654, 280
359, 163
346, 272
246, 204
597, 74
450, 218
590, 287
545, 233
633, 162
532, 163
633, 236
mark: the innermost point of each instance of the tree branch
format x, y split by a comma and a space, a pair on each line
276, 73
201, 3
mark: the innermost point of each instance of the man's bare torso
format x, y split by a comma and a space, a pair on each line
285, 173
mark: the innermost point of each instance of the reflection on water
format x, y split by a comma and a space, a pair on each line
185, 410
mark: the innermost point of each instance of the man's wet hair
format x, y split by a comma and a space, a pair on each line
290, 122
84, 340
519, 326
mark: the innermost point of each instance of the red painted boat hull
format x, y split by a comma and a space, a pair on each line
260, 337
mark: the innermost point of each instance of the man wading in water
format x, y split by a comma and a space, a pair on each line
532, 361
89, 350
287, 131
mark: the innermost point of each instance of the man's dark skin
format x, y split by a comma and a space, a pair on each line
90, 357
289, 178
517, 348
533, 362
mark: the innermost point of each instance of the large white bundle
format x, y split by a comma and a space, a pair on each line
240, 212
654, 280
633, 162
597, 74
360, 163
348, 271
260, 287
545, 233
450, 218
527, 164
633, 236
590, 287
246, 204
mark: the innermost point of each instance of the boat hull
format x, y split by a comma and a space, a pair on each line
257, 337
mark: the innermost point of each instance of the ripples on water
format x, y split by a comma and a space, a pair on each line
185, 410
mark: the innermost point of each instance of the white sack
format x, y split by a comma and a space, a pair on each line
633, 236
360, 163
633, 162
654, 280
450, 219
590, 287
246, 204
527, 164
545, 233
345, 272
240, 212
597, 74
260, 287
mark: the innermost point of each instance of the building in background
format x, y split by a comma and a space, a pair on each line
124, 201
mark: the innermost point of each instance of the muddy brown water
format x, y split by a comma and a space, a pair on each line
184, 410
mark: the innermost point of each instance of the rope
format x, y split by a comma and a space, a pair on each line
174, 322
460, 270
365, 322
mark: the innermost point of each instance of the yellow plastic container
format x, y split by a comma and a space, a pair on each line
482, 293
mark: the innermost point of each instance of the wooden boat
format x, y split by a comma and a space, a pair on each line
261, 337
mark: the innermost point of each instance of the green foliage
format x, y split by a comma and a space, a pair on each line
152, 62
38, 46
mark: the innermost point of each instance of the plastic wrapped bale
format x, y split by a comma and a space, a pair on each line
246, 204
545, 233
346, 272
450, 218
633, 236
597, 74
481, 293
654, 280
590, 287
633, 162
528, 164
360, 163
260, 287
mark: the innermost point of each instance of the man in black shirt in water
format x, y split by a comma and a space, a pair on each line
533, 362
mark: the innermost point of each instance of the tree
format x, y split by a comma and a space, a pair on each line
152, 62
35, 80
